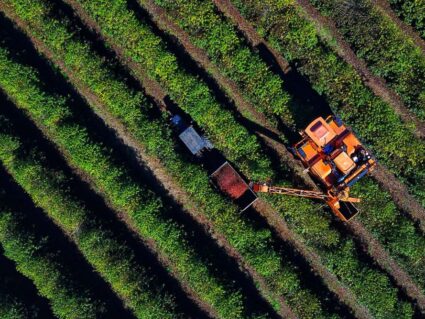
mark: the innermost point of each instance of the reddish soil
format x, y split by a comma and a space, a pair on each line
330, 280
271, 216
230, 87
375, 83
229, 10
151, 86
386, 179
385, 8
158, 170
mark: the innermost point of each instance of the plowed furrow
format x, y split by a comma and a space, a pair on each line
399, 192
180, 195
401, 196
332, 282
249, 31
231, 88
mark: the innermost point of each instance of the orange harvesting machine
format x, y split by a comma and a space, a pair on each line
335, 158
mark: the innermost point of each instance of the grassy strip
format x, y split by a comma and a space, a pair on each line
378, 41
49, 189
357, 271
282, 24
355, 275
252, 241
38, 260
152, 220
397, 233
226, 49
412, 12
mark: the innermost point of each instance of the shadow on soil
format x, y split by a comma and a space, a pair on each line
222, 266
12, 282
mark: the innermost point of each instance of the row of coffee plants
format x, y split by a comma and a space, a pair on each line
395, 231
401, 239
15, 301
226, 49
383, 46
153, 221
36, 257
12, 306
412, 12
253, 241
191, 94
121, 32
50, 190
392, 142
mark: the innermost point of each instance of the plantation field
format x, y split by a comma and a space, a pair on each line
105, 213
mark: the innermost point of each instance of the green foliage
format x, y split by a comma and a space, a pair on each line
143, 207
315, 228
383, 46
192, 95
392, 142
412, 12
50, 190
228, 51
12, 304
255, 243
36, 259
303, 217
12, 308
400, 236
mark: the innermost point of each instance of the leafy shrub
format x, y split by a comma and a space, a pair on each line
383, 46
50, 190
144, 208
231, 54
35, 258
392, 142
255, 243
412, 12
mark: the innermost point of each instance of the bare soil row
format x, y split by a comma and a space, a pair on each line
175, 191
229, 87
401, 196
332, 282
